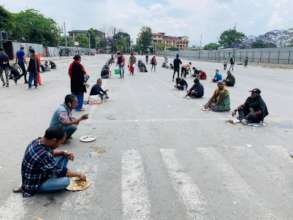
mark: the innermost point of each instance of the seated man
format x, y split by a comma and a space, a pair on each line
181, 84
195, 72
44, 168
254, 110
230, 80
142, 67
220, 101
52, 64
197, 90
105, 73
63, 116
97, 90
217, 77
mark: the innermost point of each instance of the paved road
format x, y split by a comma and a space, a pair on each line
159, 156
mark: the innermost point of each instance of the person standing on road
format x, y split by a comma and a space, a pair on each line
78, 78
62, 117
4, 67
232, 63
121, 63
246, 62
44, 168
132, 62
154, 63
176, 65
20, 60
33, 70
147, 58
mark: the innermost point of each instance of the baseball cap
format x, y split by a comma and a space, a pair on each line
256, 90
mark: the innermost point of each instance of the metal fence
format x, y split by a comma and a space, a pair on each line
265, 55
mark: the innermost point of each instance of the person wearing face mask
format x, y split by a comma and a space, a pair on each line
63, 116
220, 101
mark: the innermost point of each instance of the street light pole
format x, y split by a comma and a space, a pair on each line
89, 35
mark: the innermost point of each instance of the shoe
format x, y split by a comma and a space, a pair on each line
3, 84
7, 85
17, 189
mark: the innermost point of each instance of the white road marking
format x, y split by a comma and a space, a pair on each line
136, 204
188, 192
13, 208
234, 182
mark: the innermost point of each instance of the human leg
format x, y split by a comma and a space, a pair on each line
24, 73
30, 79
69, 130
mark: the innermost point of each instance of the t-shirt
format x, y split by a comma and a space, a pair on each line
61, 115
97, 90
20, 56
177, 63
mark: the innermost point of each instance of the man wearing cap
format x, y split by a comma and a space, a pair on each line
254, 110
20, 60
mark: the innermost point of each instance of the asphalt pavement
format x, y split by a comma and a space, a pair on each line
157, 155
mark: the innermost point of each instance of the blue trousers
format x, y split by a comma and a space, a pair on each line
69, 130
55, 184
33, 77
80, 99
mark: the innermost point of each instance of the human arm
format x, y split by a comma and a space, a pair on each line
65, 119
67, 154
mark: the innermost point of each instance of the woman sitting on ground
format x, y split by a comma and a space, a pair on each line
220, 101
217, 77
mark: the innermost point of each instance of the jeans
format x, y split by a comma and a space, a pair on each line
69, 130
33, 77
80, 99
6, 72
22, 66
121, 68
59, 183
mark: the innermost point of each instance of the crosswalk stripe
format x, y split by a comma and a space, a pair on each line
13, 208
136, 204
183, 184
234, 182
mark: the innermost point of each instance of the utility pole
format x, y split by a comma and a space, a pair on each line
65, 35
89, 35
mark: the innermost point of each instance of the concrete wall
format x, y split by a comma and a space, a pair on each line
266, 55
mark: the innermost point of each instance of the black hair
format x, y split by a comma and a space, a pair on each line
55, 133
69, 99
196, 80
77, 57
1, 49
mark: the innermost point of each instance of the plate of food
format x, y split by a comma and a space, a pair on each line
87, 138
78, 185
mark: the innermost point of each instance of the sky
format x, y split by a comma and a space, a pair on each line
200, 20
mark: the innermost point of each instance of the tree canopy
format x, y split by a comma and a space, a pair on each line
144, 40
211, 46
231, 38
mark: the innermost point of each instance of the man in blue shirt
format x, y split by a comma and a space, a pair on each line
20, 60
63, 116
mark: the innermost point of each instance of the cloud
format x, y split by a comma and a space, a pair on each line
192, 18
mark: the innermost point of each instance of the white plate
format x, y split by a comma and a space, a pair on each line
87, 138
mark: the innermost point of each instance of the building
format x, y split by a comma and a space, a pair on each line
160, 39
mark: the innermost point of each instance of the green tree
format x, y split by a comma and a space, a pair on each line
5, 19
31, 26
145, 38
231, 38
261, 44
211, 46
159, 46
121, 42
